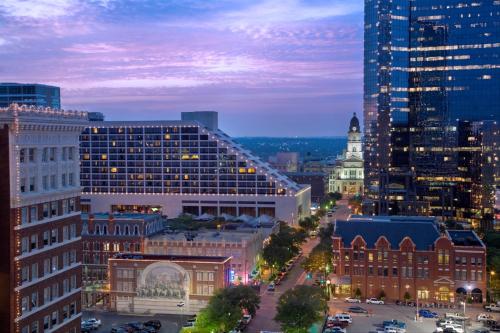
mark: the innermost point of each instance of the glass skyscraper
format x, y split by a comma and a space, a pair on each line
30, 94
428, 65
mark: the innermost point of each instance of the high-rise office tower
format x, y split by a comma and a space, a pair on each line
427, 64
40, 225
32, 94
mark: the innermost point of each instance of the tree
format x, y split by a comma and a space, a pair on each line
320, 213
245, 297
357, 293
299, 308
282, 246
220, 315
309, 223
319, 260
407, 296
326, 233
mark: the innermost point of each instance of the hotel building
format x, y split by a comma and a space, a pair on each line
31, 94
40, 275
186, 166
408, 256
104, 235
167, 284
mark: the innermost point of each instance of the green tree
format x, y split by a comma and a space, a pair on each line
357, 293
320, 213
326, 233
319, 260
276, 255
299, 308
245, 297
220, 314
309, 223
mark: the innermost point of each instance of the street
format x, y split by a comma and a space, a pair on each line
264, 320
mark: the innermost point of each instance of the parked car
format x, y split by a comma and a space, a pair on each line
332, 322
86, 327
154, 323
455, 315
495, 328
374, 301
94, 322
246, 319
424, 313
457, 328
394, 323
271, 287
352, 300
492, 307
342, 317
357, 309
481, 330
483, 317
335, 329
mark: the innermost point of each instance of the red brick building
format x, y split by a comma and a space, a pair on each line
104, 235
40, 272
146, 284
412, 256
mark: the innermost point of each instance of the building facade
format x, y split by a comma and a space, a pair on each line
427, 66
166, 284
408, 257
348, 174
285, 161
182, 167
31, 94
243, 246
103, 236
317, 181
40, 213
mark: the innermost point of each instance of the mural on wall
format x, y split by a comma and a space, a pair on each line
163, 280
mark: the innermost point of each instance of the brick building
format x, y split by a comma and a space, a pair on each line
104, 235
169, 284
411, 256
40, 273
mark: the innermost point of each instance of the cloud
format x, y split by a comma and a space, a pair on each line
93, 48
37, 9
146, 83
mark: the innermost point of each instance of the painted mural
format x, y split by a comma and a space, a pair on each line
163, 280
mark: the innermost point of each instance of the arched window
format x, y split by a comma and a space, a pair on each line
127, 230
136, 230
354, 149
117, 230
97, 230
105, 230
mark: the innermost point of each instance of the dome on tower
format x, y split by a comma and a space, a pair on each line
354, 125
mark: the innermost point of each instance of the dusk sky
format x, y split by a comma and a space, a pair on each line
270, 68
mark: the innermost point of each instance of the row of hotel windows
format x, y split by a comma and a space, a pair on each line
443, 257
50, 266
51, 321
29, 214
31, 186
115, 247
127, 230
407, 272
49, 154
48, 238
51, 293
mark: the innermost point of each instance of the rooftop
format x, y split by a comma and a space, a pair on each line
392, 218
170, 257
422, 234
234, 236
121, 216
464, 238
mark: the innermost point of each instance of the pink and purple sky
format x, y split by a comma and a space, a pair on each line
269, 67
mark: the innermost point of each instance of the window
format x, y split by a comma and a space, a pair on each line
116, 247
72, 205
106, 246
64, 155
52, 155
46, 238
34, 299
34, 242
479, 275
22, 185
34, 327
71, 153
34, 271
65, 286
53, 236
53, 322
46, 295
394, 271
55, 265
73, 281
31, 154
72, 230
63, 180
22, 155
25, 274
46, 211
46, 266
24, 244
53, 208
45, 154
25, 304
24, 215
117, 230
45, 182
33, 214
65, 233
53, 184
71, 179
32, 184
65, 259
72, 309
55, 290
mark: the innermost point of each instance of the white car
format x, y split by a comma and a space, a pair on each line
374, 301
484, 317
456, 328
96, 323
341, 317
352, 300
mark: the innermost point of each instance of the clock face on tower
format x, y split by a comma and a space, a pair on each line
354, 128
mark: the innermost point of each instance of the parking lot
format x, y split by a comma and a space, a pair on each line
366, 323
170, 323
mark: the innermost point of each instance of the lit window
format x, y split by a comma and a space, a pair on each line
104, 157
114, 170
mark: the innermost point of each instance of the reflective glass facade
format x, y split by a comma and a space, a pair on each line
428, 65
30, 94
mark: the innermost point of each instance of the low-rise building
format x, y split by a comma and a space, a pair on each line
104, 235
317, 181
243, 245
167, 284
396, 257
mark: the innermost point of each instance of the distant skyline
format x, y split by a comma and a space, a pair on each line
270, 68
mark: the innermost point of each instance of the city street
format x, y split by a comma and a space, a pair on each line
296, 276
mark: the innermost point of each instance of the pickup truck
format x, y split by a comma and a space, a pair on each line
492, 308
